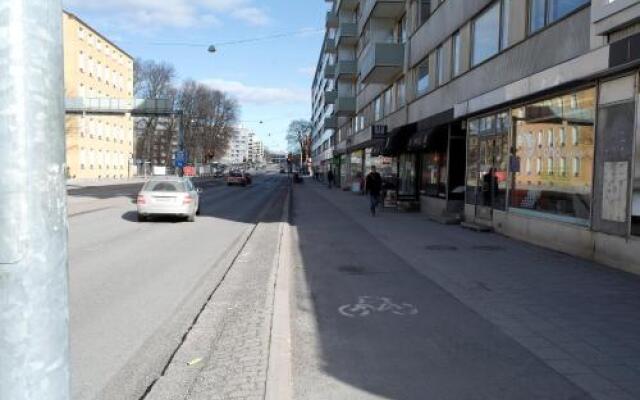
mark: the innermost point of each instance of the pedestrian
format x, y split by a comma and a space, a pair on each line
373, 187
330, 178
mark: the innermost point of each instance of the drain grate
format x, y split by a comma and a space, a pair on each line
440, 247
488, 248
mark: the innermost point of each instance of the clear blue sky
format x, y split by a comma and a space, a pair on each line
271, 78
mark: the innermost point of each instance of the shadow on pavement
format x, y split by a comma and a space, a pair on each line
383, 330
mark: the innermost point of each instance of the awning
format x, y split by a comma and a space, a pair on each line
398, 139
431, 131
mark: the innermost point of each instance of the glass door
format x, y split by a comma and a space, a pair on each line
487, 159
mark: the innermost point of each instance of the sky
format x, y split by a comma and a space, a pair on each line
271, 78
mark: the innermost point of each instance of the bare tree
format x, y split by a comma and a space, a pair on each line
209, 118
152, 81
299, 138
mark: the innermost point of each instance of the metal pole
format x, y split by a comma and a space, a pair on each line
34, 355
181, 139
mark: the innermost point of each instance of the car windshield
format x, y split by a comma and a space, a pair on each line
164, 186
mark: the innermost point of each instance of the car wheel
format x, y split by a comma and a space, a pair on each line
142, 218
198, 210
191, 218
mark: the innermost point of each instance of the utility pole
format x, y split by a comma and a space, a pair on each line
34, 350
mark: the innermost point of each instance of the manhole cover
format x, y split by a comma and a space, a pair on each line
488, 248
441, 247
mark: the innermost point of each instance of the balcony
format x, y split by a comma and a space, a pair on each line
329, 45
381, 62
346, 70
347, 5
394, 9
329, 71
331, 123
347, 34
332, 19
345, 106
330, 96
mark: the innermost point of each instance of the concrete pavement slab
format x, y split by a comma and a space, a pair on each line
367, 325
583, 309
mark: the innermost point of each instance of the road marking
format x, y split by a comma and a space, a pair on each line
368, 305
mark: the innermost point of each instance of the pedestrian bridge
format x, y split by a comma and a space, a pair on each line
135, 107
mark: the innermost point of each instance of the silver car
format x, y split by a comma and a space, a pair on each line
169, 195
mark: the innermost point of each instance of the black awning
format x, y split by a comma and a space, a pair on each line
398, 139
431, 131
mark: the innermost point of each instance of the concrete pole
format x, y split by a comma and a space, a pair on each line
34, 355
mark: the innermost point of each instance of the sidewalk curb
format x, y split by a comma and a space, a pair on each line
279, 373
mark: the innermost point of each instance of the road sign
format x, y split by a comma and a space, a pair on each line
181, 158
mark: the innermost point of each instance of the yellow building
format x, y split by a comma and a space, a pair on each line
99, 143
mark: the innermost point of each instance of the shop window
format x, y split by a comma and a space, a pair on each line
407, 175
434, 174
557, 192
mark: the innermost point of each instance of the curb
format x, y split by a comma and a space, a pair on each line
279, 385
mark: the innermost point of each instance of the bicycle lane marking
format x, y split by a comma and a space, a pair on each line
367, 305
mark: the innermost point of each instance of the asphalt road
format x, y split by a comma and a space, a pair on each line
135, 287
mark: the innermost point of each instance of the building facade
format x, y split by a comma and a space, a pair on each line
100, 144
512, 114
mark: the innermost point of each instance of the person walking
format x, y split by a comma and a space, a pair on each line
330, 178
373, 187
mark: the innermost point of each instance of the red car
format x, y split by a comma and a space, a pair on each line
238, 178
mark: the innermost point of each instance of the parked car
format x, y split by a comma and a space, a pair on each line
238, 178
169, 195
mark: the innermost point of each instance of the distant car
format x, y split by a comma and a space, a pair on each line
169, 195
238, 178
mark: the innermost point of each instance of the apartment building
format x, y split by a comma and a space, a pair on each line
516, 115
100, 144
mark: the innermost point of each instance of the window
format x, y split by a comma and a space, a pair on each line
486, 35
456, 49
388, 101
536, 15
422, 78
545, 12
563, 137
505, 24
576, 166
556, 191
575, 134
377, 109
401, 93
440, 64
425, 11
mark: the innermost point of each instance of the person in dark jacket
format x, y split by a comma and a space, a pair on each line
330, 178
373, 187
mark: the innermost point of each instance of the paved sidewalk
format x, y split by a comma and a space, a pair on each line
570, 326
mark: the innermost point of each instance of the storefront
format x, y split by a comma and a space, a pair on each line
535, 159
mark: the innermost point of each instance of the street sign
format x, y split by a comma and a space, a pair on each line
181, 158
190, 171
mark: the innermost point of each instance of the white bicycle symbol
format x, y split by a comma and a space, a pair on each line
367, 305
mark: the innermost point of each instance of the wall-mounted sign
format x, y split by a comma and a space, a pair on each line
379, 131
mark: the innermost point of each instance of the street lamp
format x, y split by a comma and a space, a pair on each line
212, 49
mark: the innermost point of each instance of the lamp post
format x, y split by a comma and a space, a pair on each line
34, 332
